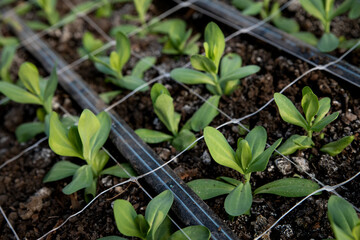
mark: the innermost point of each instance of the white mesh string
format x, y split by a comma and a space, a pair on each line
9, 224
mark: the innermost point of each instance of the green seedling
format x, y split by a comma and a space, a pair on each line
250, 7
49, 10
354, 10
106, 9
113, 66
250, 156
83, 141
33, 90
164, 109
344, 221
325, 11
90, 44
155, 224
7, 56
207, 67
315, 120
179, 41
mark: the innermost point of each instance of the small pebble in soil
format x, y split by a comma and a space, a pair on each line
284, 166
163, 153
107, 181
328, 163
34, 204
285, 230
302, 164
206, 159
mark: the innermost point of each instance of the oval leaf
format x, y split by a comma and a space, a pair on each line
190, 76
152, 136
83, 178
334, 148
192, 232
27, 131
18, 94
208, 188
239, 200
328, 42
120, 170
60, 170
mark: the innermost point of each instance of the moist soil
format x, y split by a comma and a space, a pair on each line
35, 208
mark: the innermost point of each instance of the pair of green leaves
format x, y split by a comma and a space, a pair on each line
343, 219
83, 141
231, 70
90, 44
179, 41
113, 65
164, 109
249, 157
315, 121
155, 225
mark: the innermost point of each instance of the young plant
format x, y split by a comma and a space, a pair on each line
7, 56
106, 10
250, 156
207, 67
83, 141
164, 109
315, 121
179, 41
325, 11
113, 66
344, 221
90, 44
49, 10
35, 90
250, 7
155, 225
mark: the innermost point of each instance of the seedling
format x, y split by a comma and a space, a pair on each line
250, 7
7, 56
106, 10
164, 109
249, 157
113, 66
315, 121
325, 11
35, 90
90, 44
155, 224
344, 221
83, 141
49, 10
179, 41
230, 69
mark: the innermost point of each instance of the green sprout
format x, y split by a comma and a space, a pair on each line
113, 66
155, 224
250, 7
344, 221
164, 109
230, 69
250, 156
315, 120
90, 44
83, 141
178, 40
106, 10
49, 10
7, 56
34, 90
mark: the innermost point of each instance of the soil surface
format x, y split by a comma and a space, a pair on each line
35, 208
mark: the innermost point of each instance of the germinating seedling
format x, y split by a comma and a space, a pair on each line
31, 90
178, 40
250, 156
155, 224
164, 109
315, 121
113, 65
49, 10
207, 67
250, 7
83, 141
90, 44
344, 221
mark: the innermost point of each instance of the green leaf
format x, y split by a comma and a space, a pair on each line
294, 143
328, 42
310, 105
230, 62
18, 94
257, 140
190, 76
90, 43
344, 7
141, 8
205, 114
157, 90
355, 10
165, 229
132, 83
125, 216
164, 109
152, 136
184, 140
342, 217
324, 107
334, 148
317, 10
125, 28
286, 24
220, 150
123, 48
288, 111
29, 76
27, 131
202, 63
50, 87
7, 56
289, 187
90, 191
107, 97
239, 200
243, 154
142, 224
61, 170
82, 178
120, 170
99, 161
165, 26
324, 122
142, 66
214, 43
37, 25
260, 163
356, 231
307, 37
58, 139
240, 73
157, 210
232, 181
208, 188
253, 9
193, 232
